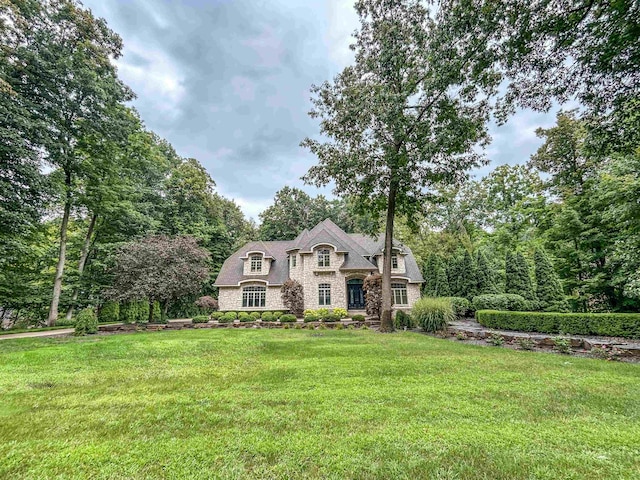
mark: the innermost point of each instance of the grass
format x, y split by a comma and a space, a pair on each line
30, 330
203, 404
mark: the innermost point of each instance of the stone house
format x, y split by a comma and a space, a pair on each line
329, 263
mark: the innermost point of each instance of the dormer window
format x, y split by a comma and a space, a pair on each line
394, 261
323, 257
256, 264
293, 260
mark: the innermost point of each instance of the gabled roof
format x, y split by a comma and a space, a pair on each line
359, 250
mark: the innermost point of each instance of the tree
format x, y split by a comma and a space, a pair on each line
548, 288
293, 297
486, 275
430, 275
468, 276
159, 268
518, 276
442, 284
405, 117
60, 65
372, 287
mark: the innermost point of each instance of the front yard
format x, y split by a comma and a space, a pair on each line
310, 404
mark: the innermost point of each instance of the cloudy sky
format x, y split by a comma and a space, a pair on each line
227, 82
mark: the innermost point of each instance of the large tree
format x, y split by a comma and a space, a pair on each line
160, 268
60, 63
404, 118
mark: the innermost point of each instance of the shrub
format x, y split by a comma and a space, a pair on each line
109, 312
244, 317
217, 315
358, 318
339, 326
293, 296
277, 315
288, 317
200, 319
340, 313
502, 301
255, 316
228, 317
402, 320
496, 340
311, 316
268, 317
606, 324
128, 312
461, 336
142, 311
157, 313
266, 313
461, 306
526, 343
331, 317
86, 322
562, 345
372, 286
207, 304
433, 314
322, 313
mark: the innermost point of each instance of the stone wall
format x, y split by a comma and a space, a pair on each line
230, 298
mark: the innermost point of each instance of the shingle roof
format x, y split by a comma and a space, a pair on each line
356, 247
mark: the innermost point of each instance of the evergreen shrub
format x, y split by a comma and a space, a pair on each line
86, 322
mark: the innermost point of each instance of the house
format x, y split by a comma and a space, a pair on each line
329, 263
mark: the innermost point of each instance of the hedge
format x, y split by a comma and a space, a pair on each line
502, 301
605, 324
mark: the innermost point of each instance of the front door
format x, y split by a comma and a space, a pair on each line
355, 294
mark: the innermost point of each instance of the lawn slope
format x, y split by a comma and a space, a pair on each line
301, 404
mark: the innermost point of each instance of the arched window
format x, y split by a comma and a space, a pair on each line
323, 257
324, 294
399, 293
254, 296
256, 263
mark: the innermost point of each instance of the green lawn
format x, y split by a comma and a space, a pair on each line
301, 404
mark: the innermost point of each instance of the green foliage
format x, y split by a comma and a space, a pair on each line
357, 318
142, 311
340, 313
86, 322
268, 317
157, 313
200, 319
403, 320
518, 276
228, 317
277, 315
461, 306
109, 312
244, 317
311, 316
433, 314
548, 289
525, 343
217, 315
607, 324
288, 317
496, 340
486, 277
129, 312
255, 316
503, 301
562, 345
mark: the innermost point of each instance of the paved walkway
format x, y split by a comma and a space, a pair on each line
46, 333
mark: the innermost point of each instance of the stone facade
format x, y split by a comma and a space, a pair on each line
230, 298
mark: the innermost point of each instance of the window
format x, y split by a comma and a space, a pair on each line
394, 261
323, 257
254, 296
399, 291
293, 260
324, 294
256, 263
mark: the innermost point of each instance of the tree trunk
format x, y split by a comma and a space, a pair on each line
57, 283
81, 264
386, 321
150, 319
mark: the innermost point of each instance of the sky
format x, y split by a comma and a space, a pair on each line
228, 82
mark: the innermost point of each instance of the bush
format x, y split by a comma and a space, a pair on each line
340, 313
562, 345
128, 312
433, 314
277, 315
216, 315
402, 320
142, 311
358, 318
255, 316
228, 317
109, 312
244, 317
461, 306
86, 322
606, 324
207, 304
288, 317
268, 317
496, 340
311, 316
157, 313
266, 313
502, 301
200, 319
331, 317
526, 343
